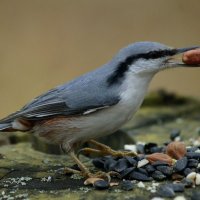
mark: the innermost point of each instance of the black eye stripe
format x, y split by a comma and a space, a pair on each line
158, 54
121, 69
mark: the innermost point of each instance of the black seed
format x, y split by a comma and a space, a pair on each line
157, 149
150, 168
98, 162
141, 157
158, 163
181, 164
166, 143
135, 175
187, 171
127, 185
132, 161
192, 163
121, 165
195, 170
148, 147
166, 191
110, 164
140, 148
101, 185
166, 170
187, 182
175, 133
143, 171
194, 155
158, 176
126, 172
192, 149
177, 187
76, 167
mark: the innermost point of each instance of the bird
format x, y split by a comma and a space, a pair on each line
97, 103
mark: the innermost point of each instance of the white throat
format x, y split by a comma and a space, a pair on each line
134, 89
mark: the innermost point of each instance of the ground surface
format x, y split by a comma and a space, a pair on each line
26, 173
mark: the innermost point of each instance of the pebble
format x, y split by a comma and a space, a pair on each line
177, 139
130, 147
142, 163
197, 180
127, 185
180, 198
141, 185
191, 176
101, 185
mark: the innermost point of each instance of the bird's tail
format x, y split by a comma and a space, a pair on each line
5, 127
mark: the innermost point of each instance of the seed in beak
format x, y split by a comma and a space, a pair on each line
191, 57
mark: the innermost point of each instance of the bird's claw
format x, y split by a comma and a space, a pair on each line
102, 175
104, 150
107, 151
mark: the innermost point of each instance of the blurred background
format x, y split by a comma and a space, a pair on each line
44, 43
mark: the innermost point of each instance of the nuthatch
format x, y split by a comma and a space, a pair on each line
97, 103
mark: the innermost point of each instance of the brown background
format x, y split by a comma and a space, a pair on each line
44, 43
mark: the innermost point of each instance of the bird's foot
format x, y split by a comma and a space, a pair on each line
92, 176
68, 170
104, 150
103, 175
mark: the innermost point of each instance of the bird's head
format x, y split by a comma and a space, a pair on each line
146, 59
150, 57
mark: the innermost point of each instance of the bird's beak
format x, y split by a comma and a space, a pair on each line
176, 60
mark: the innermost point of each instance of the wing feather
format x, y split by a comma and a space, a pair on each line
52, 104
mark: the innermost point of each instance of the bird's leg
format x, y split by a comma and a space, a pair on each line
103, 149
85, 171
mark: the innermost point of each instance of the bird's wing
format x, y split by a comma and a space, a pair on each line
53, 103
84, 95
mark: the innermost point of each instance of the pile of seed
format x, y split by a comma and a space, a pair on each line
172, 161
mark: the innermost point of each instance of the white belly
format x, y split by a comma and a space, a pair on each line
108, 120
